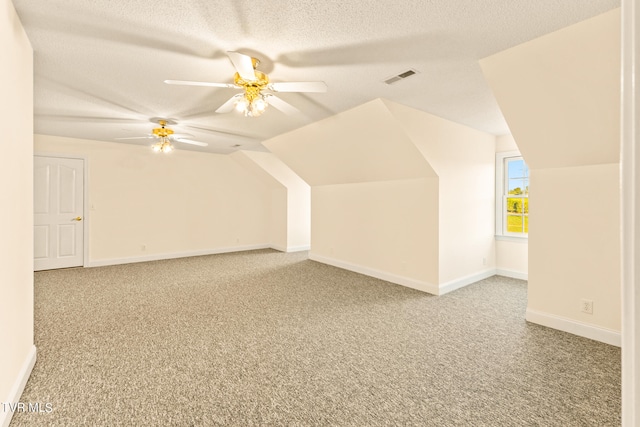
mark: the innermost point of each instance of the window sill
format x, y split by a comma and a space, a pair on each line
523, 239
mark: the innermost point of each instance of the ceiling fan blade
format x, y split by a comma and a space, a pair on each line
281, 105
298, 87
209, 84
181, 136
228, 106
192, 142
222, 132
138, 137
243, 64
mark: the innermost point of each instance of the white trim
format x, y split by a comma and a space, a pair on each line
157, 257
298, 248
512, 274
406, 281
630, 213
291, 248
389, 277
18, 387
452, 285
86, 214
586, 330
512, 238
499, 182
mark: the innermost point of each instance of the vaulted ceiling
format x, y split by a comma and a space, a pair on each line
100, 65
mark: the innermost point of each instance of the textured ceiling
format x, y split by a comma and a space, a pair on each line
100, 64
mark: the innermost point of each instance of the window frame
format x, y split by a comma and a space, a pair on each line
501, 232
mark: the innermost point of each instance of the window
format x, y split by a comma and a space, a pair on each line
512, 195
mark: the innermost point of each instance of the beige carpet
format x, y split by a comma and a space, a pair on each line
266, 338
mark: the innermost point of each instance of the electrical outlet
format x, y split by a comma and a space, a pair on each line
586, 306
484, 261
143, 247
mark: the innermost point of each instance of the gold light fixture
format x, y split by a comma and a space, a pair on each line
164, 144
165, 138
253, 102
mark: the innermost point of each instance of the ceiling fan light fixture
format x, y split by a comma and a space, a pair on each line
242, 105
259, 104
165, 136
253, 102
253, 108
162, 146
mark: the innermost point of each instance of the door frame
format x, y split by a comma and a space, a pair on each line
630, 216
85, 190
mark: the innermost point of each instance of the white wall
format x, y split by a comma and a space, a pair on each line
16, 245
387, 229
278, 229
464, 160
512, 256
578, 254
560, 95
506, 143
299, 218
369, 186
379, 171
291, 199
180, 204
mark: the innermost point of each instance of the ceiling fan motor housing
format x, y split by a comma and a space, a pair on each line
252, 88
162, 132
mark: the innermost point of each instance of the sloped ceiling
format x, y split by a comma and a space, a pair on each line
364, 144
561, 94
100, 65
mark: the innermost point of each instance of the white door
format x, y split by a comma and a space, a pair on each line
58, 207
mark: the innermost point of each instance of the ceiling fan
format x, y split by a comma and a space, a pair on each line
166, 136
254, 100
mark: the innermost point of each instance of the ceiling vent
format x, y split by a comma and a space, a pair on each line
400, 76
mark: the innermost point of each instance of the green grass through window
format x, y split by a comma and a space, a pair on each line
514, 224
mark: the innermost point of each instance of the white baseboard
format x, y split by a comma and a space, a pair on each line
512, 274
452, 285
298, 248
18, 386
157, 257
407, 281
389, 277
290, 248
586, 330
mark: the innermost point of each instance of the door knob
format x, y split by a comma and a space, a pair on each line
78, 218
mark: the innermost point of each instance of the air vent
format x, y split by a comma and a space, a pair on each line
400, 76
